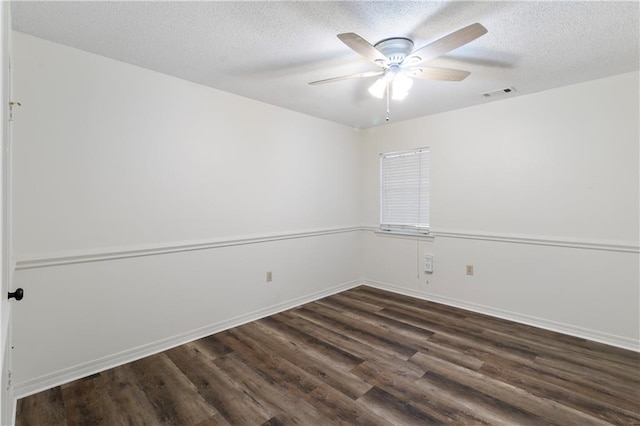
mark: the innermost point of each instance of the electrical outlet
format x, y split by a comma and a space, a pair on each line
469, 269
269, 276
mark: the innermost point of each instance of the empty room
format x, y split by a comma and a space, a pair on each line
318, 213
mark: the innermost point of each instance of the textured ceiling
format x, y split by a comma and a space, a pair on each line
269, 51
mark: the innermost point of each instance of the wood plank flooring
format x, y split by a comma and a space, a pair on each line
364, 356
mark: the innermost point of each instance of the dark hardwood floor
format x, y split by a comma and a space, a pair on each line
364, 356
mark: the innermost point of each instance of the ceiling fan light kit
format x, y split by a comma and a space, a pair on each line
378, 88
399, 85
397, 61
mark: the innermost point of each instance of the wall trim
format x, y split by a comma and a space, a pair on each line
69, 374
542, 241
604, 245
572, 330
86, 256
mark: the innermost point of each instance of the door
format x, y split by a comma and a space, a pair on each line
6, 394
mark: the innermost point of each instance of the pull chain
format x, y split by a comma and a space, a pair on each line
387, 101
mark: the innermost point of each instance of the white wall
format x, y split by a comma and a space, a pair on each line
541, 193
118, 155
115, 161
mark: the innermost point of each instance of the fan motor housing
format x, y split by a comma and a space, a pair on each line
395, 49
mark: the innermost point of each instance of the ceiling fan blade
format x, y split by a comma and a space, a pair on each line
362, 47
430, 73
447, 43
347, 77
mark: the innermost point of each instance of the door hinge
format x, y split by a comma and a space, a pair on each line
11, 105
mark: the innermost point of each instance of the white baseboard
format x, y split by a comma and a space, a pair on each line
83, 370
572, 330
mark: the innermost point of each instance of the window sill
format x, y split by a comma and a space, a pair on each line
413, 234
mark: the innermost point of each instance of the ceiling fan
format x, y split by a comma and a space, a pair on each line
398, 62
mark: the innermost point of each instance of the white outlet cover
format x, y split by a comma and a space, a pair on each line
428, 263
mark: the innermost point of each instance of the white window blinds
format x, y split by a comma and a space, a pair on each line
404, 191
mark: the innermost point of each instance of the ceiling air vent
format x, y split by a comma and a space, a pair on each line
499, 92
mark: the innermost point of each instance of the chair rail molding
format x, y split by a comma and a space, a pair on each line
587, 244
85, 256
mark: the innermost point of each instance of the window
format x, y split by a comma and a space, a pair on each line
404, 191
